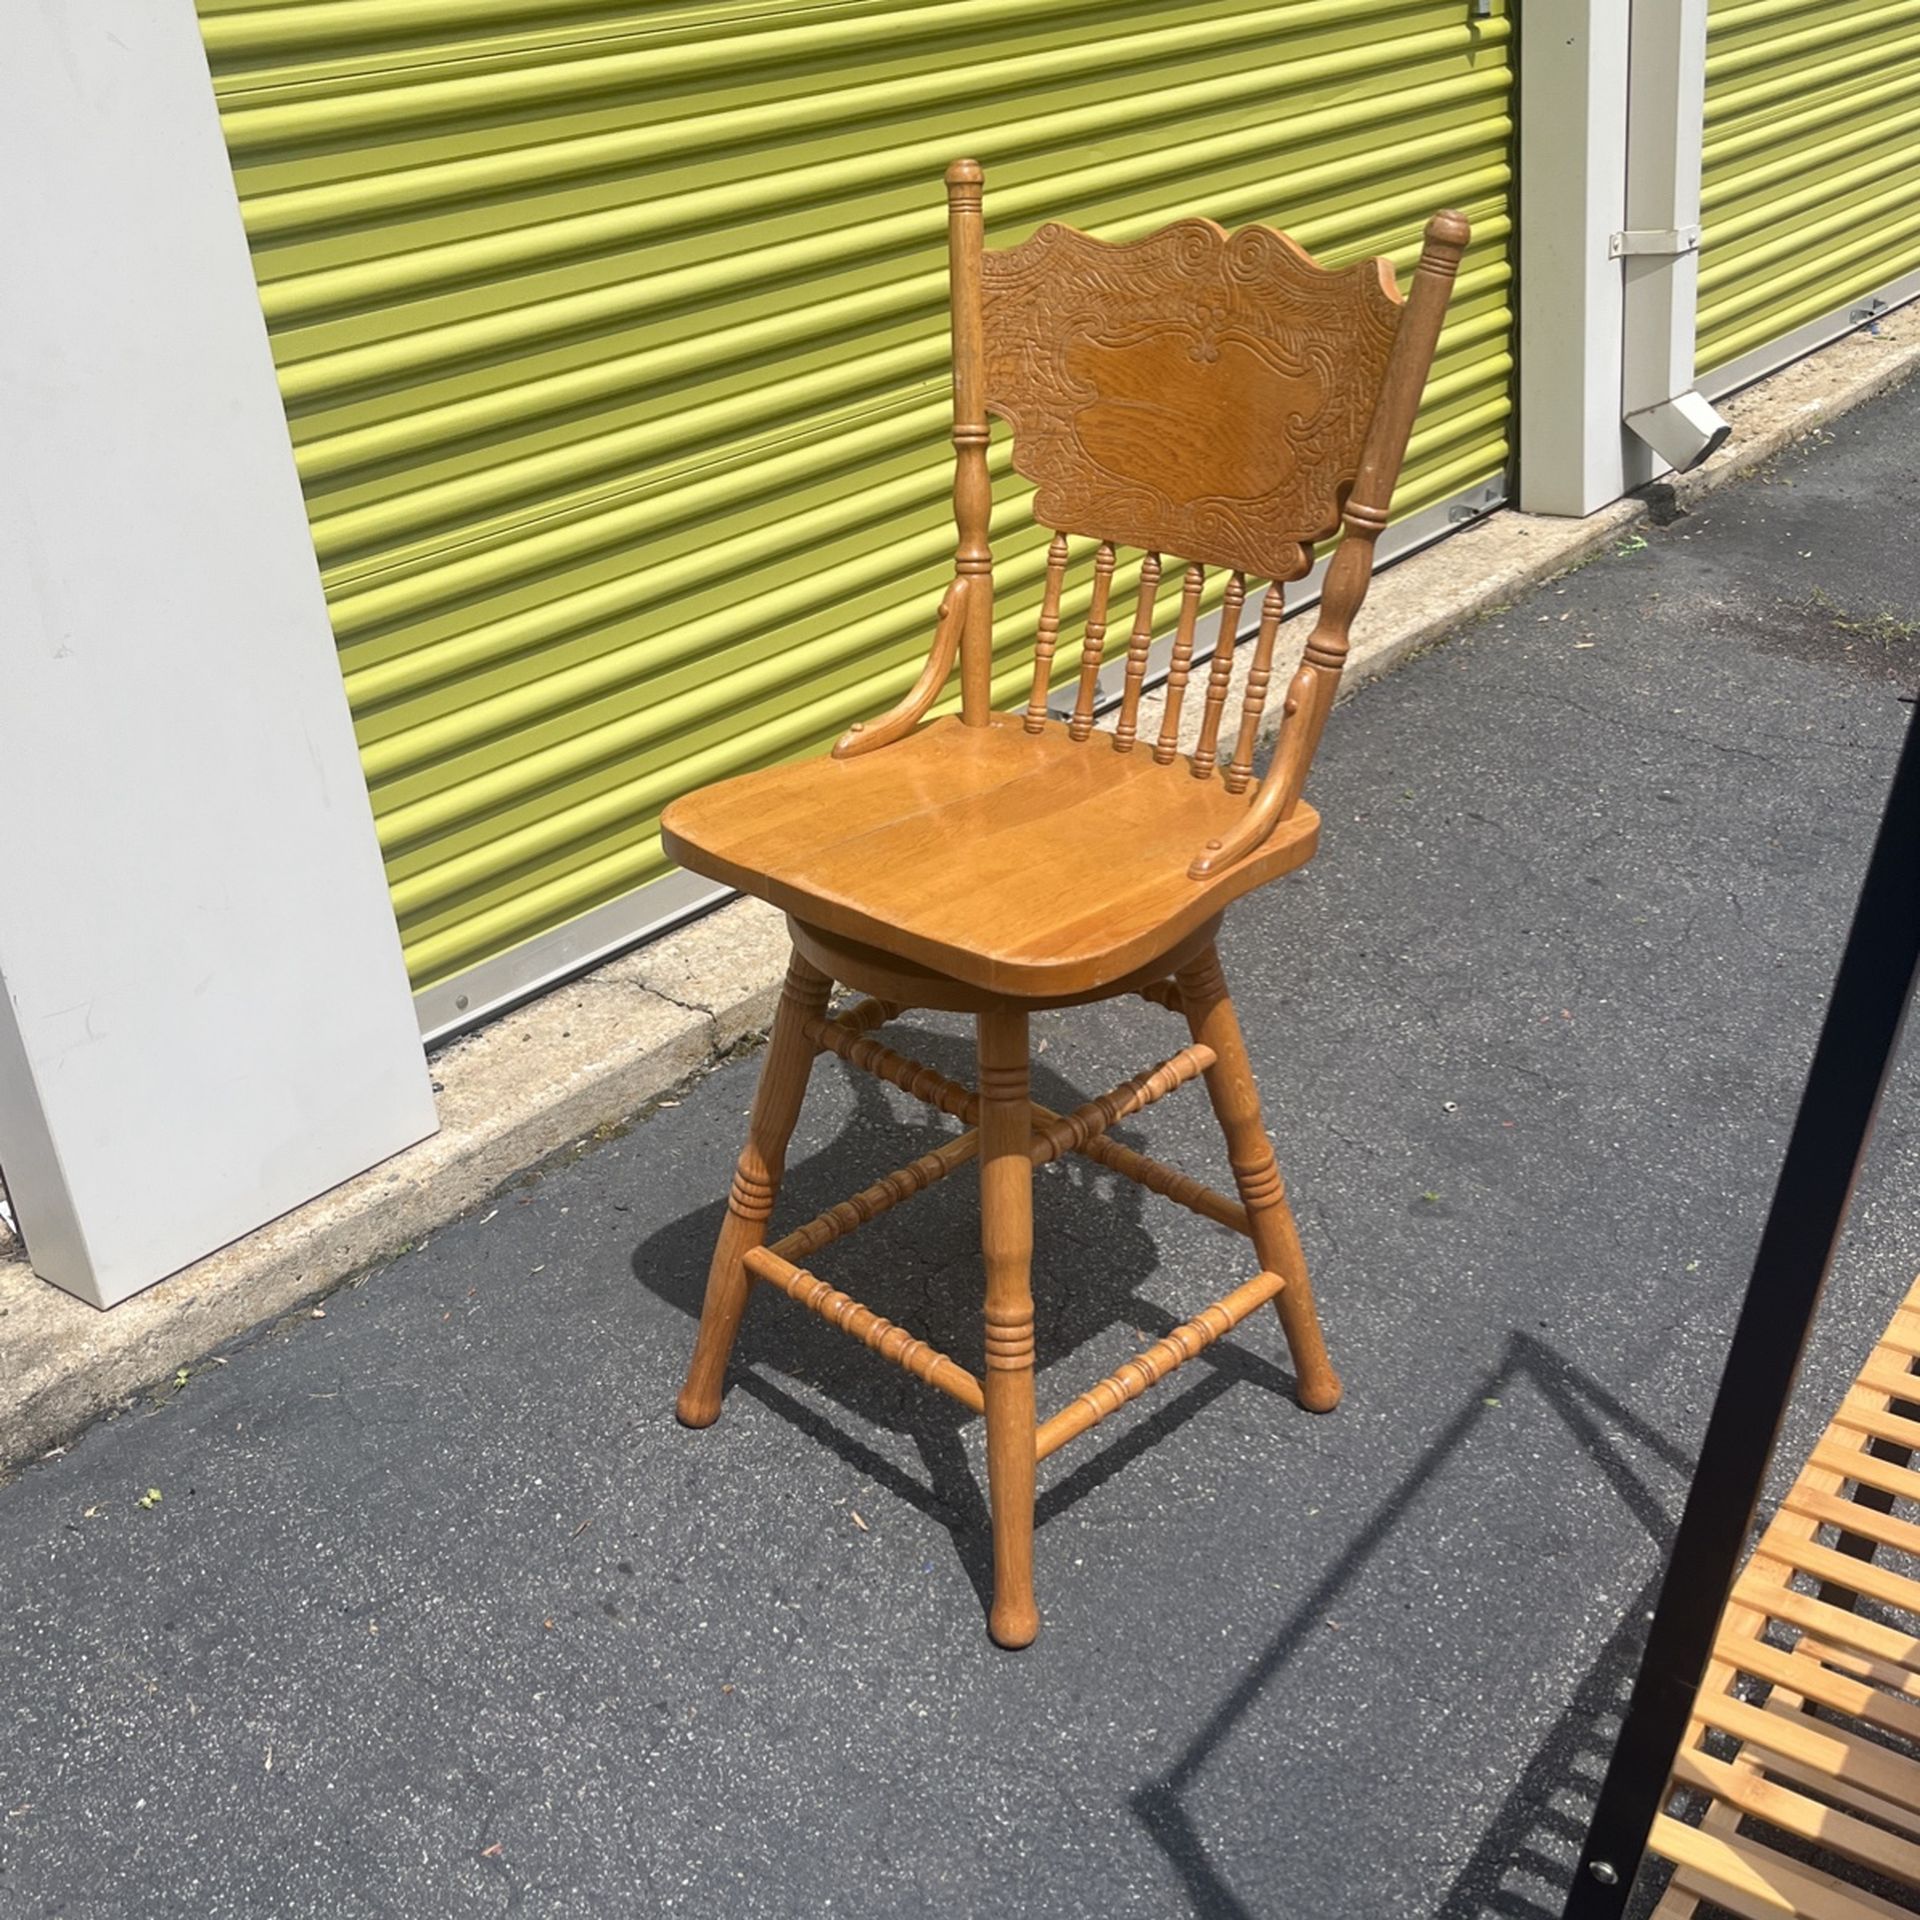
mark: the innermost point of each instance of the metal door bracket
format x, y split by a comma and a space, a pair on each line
1657, 240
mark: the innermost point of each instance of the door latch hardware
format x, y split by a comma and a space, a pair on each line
1654, 240
1481, 500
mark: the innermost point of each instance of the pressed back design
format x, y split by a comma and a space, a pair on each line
1218, 400
1196, 392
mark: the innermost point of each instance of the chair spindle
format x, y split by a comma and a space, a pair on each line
1048, 636
1168, 746
972, 483
1220, 680
1095, 640
1239, 773
1138, 644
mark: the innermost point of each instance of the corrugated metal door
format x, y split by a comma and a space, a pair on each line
1810, 177
613, 342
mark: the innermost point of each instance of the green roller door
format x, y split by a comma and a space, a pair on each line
1810, 176
613, 342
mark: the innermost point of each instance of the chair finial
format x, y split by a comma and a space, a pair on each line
1446, 239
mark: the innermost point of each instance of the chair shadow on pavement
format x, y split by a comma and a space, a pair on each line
1522, 1866
920, 1266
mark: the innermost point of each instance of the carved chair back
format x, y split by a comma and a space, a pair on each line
1218, 397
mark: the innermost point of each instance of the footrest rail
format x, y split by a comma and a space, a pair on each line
888, 1341
1055, 1134
1169, 1182
1144, 1369
883, 1196
870, 1056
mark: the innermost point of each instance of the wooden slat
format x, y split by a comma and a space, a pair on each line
1838, 1624
1861, 1665
1129, 1382
1855, 1798
1884, 1373
1754, 1882
1679, 1902
1903, 1332
1880, 1426
1844, 1833
888, 1341
1868, 1469
1841, 1755
1852, 1516
1851, 1798
1860, 1576
1826, 1688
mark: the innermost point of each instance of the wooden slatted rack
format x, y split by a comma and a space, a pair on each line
1083, 1131
1805, 1740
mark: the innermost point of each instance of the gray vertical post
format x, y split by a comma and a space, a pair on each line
1572, 194
1670, 424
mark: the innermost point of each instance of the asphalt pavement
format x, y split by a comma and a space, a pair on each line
423, 1604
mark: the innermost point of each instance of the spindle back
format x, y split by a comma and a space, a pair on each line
1220, 397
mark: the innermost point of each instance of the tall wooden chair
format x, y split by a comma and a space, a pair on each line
1216, 396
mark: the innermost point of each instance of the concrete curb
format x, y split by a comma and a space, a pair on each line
590, 1057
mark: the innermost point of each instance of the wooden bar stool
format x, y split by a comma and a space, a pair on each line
1213, 395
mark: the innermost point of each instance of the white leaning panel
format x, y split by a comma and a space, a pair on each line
205, 1020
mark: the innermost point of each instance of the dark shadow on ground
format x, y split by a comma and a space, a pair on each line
1521, 1867
919, 1266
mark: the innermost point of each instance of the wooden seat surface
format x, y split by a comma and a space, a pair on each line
1029, 864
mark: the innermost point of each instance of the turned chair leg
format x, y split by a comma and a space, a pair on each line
1276, 1240
1006, 1242
756, 1183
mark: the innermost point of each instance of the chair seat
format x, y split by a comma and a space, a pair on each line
1027, 864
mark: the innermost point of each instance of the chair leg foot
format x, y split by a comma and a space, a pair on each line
1006, 1240
728, 1285
1323, 1397
1014, 1627
756, 1183
1316, 1386
1276, 1240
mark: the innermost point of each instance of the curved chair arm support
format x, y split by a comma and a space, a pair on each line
1302, 717
900, 720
